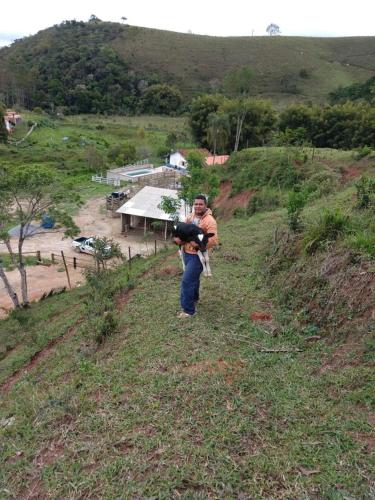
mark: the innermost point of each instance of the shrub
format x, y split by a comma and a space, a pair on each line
331, 225
240, 213
365, 192
362, 152
264, 200
295, 204
321, 184
364, 241
38, 110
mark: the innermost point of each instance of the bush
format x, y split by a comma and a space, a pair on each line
264, 200
321, 184
331, 225
362, 152
295, 204
364, 241
365, 192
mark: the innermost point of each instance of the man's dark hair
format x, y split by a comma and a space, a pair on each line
201, 197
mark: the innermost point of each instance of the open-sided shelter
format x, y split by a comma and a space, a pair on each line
143, 209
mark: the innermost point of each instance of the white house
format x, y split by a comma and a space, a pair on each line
177, 160
143, 209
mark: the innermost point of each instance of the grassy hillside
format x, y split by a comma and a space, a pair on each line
286, 69
238, 402
200, 62
77, 146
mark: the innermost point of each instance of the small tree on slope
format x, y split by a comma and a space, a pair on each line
26, 194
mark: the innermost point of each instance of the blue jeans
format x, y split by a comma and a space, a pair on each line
190, 282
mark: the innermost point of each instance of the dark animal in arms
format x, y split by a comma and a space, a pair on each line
191, 233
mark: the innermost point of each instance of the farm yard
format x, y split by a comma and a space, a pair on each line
93, 220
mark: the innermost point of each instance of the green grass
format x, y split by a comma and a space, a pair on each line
46, 145
275, 61
168, 408
29, 260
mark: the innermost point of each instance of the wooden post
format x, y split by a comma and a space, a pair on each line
156, 247
38, 256
66, 269
165, 229
75, 262
53, 258
130, 257
145, 227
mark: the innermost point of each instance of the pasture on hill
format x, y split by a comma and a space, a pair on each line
130, 58
79, 146
251, 398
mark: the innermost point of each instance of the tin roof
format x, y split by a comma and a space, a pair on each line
146, 204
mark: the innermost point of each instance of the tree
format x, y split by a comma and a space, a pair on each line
200, 110
26, 194
273, 29
161, 99
237, 84
3, 130
251, 121
123, 154
94, 158
200, 179
171, 206
218, 132
123, 19
104, 250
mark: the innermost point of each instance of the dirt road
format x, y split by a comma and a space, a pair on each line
93, 220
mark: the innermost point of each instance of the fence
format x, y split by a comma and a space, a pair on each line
170, 180
104, 180
58, 258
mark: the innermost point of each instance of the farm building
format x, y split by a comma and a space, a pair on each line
178, 159
142, 211
216, 160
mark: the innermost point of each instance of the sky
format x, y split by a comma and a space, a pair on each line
204, 17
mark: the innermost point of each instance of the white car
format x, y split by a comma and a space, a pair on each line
83, 244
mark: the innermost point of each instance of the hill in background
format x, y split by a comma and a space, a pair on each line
120, 58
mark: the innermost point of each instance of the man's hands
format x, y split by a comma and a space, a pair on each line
180, 242
193, 244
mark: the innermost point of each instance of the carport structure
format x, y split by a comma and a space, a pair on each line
143, 209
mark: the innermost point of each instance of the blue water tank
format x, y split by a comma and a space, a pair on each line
47, 221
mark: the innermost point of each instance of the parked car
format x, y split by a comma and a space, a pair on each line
118, 195
84, 244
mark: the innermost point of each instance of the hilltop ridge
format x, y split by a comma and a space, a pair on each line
285, 69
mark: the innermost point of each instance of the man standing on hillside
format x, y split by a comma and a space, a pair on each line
202, 217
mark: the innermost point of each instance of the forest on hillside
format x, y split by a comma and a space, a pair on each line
110, 68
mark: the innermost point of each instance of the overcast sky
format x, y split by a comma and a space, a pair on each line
206, 17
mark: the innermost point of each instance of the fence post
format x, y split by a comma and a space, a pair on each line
75, 262
66, 269
53, 258
38, 256
156, 247
130, 257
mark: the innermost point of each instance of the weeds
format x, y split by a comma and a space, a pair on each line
363, 241
331, 225
295, 204
365, 192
